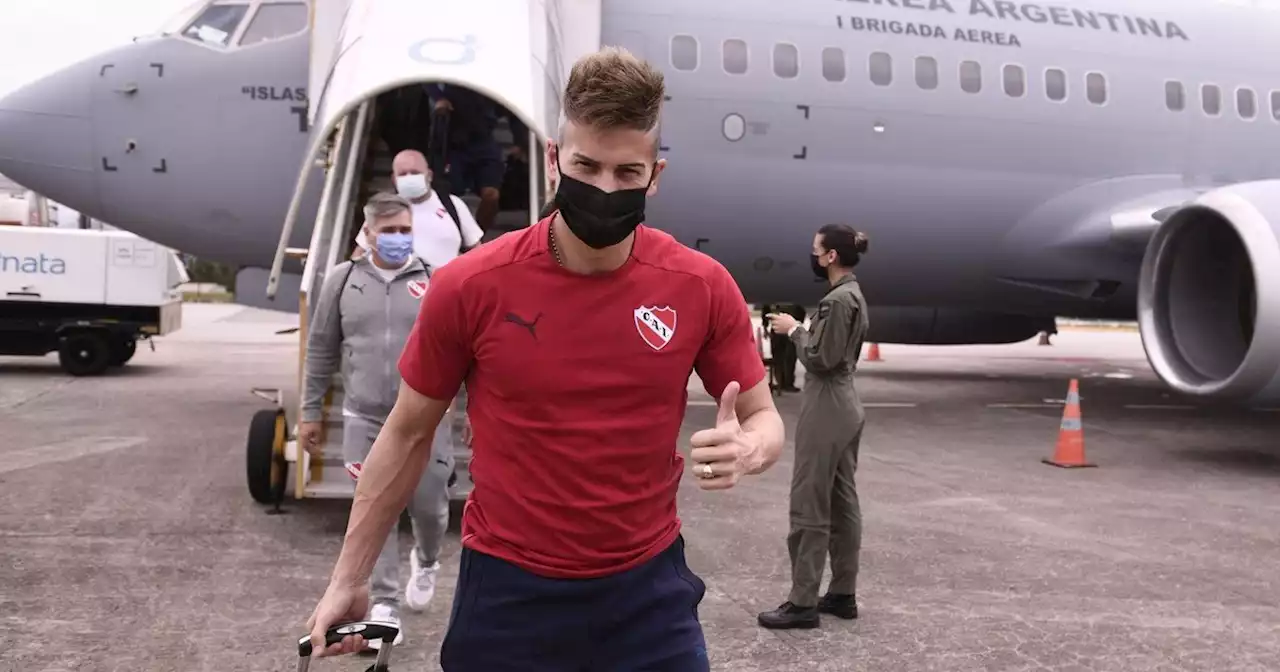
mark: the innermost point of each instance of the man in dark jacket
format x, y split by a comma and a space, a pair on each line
784, 351
474, 158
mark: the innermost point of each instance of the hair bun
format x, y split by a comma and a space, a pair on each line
860, 242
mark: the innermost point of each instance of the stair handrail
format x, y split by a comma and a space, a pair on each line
338, 150
351, 167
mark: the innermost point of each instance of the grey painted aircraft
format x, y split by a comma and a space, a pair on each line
1011, 161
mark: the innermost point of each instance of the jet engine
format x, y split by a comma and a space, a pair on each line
1209, 295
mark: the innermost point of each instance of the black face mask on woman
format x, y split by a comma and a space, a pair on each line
599, 218
819, 270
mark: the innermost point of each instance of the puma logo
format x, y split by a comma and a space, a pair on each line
358, 288
531, 326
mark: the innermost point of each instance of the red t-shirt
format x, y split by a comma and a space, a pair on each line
577, 387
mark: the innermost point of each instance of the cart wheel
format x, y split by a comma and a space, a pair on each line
84, 353
122, 350
264, 456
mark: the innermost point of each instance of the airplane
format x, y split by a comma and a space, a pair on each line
1011, 161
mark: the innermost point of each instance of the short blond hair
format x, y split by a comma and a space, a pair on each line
612, 89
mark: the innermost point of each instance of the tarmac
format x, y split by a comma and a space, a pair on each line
130, 542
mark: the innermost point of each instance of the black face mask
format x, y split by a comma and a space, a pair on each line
818, 270
599, 218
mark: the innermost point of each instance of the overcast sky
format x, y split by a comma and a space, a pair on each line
40, 36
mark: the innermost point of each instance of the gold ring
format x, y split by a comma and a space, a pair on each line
706, 470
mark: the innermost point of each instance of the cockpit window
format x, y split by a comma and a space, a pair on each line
274, 20
216, 24
175, 23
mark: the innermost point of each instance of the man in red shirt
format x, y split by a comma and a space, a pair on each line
576, 338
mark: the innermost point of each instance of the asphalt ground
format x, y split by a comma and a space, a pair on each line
128, 540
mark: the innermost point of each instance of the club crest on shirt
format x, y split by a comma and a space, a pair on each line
416, 288
656, 325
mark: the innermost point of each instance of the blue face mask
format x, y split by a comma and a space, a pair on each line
395, 248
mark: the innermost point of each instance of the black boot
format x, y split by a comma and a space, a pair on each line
789, 616
844, 606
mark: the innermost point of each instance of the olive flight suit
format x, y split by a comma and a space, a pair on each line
825, 517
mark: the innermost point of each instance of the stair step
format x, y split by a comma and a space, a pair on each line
332, 488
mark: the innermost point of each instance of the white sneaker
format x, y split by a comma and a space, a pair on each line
422, 583
386, 613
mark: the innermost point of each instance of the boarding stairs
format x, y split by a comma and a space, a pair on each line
364, 48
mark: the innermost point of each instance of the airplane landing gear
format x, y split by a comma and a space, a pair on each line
265, 464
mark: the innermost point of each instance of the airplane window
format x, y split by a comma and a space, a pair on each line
216, 24
1095, 85
833, 64
1055, 84
786, 60
1211, 99
1246, 103
275, 21
970, 76
1015, 81
881, 66
1275, 105
180, 20
1174, 97
684, 52
926, 72
734, 55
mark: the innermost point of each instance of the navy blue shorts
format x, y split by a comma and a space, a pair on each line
476, 167
645, 619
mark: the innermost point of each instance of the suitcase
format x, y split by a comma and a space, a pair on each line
370, 630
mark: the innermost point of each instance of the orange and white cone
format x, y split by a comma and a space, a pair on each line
1069, 453
873, 354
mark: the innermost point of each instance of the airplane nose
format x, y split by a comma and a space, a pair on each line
46, 137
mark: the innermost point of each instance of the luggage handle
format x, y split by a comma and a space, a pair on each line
369, 630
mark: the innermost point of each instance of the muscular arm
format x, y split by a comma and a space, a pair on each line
730, 356
762, 424
389, 476
824, 349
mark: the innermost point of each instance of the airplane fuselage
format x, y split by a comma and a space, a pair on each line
972, 196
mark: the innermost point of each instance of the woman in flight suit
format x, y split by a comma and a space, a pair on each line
825, 516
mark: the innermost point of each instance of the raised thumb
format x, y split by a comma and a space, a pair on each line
728, 411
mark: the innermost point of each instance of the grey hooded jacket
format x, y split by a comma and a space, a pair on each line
361, 323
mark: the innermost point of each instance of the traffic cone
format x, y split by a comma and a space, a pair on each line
873, 354
1070, 450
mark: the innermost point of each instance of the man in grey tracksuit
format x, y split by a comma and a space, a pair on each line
362, 319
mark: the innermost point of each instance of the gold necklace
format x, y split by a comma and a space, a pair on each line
555, 249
